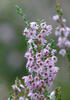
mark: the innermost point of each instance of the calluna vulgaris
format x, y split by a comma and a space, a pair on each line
62, 31
41, 64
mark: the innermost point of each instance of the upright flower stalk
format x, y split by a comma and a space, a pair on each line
62, 32
41, 64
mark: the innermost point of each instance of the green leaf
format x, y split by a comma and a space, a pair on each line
11, 97
68, 55
29, 98
27, 71
39, 21
33, 47
19, 10
52, 44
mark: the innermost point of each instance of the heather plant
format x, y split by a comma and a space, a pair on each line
62, 31
41, 64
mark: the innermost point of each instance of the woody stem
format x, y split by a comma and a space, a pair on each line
58, 2
39, 46
14, 97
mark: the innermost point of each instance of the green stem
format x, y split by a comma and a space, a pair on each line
20, 12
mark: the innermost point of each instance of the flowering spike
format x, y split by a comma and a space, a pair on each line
41, 64
62, 31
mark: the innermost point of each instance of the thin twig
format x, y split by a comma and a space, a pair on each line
58, 2
14, 97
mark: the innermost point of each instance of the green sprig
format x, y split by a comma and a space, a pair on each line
58, 93
20, 12
59, 10
68, 55
52, 44
33, 47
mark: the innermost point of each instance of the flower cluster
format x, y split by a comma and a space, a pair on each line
62, 32
41, 63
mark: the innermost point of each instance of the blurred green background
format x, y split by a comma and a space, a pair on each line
13, 45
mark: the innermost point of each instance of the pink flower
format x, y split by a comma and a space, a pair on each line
56, 17
25, 78
52, 95
43, 32
67, 43
31, 60
21, 98
43, 25
21, 85
54, 59
45, 75
16, 88
61, 41
35, 68
26, 32
36, 78
38, 55
30, 78
49, 29
39, 37
45, 51
27, 54
62, 52
41, 97
34, 25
